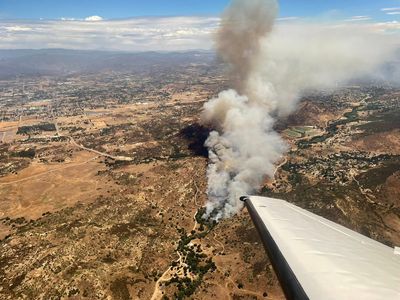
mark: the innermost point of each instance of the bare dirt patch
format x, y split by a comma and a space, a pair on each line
42, 188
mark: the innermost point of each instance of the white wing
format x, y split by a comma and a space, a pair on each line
318, 259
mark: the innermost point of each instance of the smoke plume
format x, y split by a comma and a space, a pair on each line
271, 68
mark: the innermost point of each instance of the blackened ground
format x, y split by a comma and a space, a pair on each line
196, 135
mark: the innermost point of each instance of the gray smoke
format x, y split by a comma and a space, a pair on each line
243, 25
271, 69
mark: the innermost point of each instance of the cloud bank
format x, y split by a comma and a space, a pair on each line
96, 33
136, 34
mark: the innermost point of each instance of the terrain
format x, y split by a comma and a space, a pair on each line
103, 180
348, 169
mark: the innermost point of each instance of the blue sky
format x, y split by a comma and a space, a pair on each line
56, 9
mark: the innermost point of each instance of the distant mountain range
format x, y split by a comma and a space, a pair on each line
61, 62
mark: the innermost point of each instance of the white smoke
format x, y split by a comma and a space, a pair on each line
271, 69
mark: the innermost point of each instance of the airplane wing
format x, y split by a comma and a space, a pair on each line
318, 259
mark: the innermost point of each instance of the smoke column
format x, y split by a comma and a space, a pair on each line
270, 70
245, 148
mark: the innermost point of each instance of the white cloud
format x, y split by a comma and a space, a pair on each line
358, 18
136, 34
390, 9
287, 19
67, 19
94, 18
17, 28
